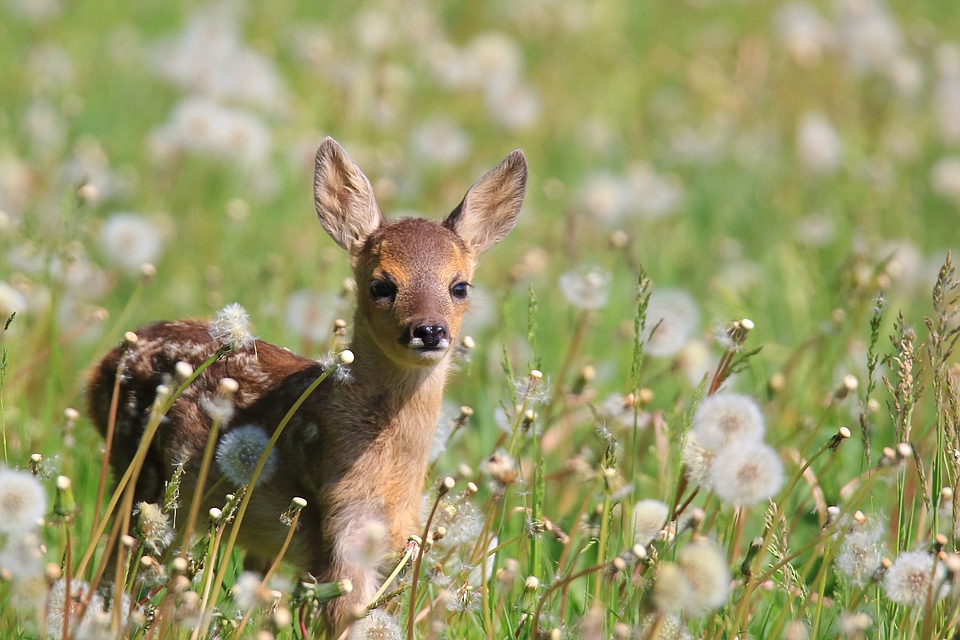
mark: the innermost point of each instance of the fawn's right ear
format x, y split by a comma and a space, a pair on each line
344, 198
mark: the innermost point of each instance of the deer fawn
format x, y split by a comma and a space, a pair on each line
356, 449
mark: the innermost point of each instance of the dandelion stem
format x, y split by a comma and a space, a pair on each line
108, 445
416, 565
270, 572
245, 502
198, 494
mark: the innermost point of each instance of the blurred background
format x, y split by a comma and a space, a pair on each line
774, 160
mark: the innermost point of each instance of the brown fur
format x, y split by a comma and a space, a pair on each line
356, 450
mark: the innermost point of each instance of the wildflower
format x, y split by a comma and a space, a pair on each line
818, 144
706, 571
698, 460
209, 56
861, 552
248, 590
945, 178
440, 142
23, 501
96, 620
587, 287
672, 315
651, 194
11, 301
203, 126
912, 577
155, 527
671, 628
671, 591
815, 230
746, 473
309, 314
129, 240
649, 516
500, 466
725, 418
805, 34
239, 452
605, 196
231, 327
22, 555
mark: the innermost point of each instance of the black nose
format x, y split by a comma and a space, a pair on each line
430, 334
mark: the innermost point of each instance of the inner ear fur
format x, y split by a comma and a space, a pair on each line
344, 198
491, 206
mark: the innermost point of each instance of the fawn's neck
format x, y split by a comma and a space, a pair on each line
400, 405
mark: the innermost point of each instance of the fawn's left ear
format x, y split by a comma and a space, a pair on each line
490, 208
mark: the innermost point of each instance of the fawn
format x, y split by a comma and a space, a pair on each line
357, 449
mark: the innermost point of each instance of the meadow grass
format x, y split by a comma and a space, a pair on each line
710, 388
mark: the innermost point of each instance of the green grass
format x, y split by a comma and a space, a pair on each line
617, 83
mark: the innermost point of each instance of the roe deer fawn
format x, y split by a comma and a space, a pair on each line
356, 449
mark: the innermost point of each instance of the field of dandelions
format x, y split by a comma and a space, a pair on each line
706, 389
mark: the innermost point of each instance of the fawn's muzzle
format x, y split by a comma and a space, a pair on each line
429, 335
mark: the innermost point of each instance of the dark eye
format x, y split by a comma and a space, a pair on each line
459, 290
383, 289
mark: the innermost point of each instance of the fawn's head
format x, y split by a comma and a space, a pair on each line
413, 275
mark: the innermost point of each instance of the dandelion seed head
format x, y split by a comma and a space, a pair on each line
310, 314
725, 418
231, 327
155, 527
671, 628
239, 453
96, 620
746, 473
672, 316
218, 407
247, 591
819, 146
649, 517
587, 287
861, 552
379, 625
908, 580
440, 142
705, 569
22, 556
500, 466
698, 460
671, 590
23, 501
128, 240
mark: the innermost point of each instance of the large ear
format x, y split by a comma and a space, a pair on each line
489, 210
344, 198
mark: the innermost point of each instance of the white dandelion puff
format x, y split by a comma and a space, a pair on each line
22, 556
129, 240
440, 142
671, 590
239, 453
698, 460
746, 473
231, 327
586, 287
706, 571
96, 620
861, 552
725, 418
247, 591
649, 516
23, 501
818, 144
911, 578
672, 316
379, 625
154, 527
